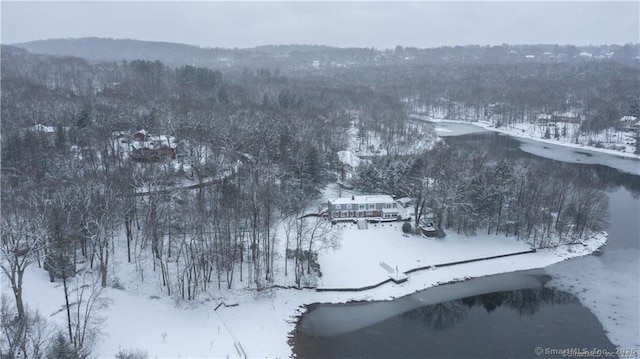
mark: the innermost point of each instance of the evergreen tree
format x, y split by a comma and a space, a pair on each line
61, 139
85, 118
62, 349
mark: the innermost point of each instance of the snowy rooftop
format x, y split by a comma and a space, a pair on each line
349, 158
567, 114
628, 118
381, 198
42, 128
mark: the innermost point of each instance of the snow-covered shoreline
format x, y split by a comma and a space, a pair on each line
427, 279
520, 133
549, 148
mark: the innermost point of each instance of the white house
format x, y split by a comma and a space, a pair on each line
629, 122
568, 116
377, 207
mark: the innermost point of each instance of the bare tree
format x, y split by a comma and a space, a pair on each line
104, 207
23, 337
86, 302
22, 234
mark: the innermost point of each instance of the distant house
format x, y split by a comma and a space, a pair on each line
630, 122
153, 148
570, 117
42, 128
140, 135
544, 118
354, 115
349, 161
146, 154
405, 202
375, 207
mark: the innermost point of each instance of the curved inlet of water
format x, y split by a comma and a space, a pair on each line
334, 319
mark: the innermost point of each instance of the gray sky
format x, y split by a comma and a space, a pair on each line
343, 24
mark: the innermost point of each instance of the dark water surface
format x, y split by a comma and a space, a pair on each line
507, 324
502, 316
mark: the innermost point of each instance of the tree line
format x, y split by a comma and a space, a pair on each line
469, 191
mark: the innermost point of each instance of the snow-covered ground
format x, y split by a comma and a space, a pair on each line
384, 243
140, 317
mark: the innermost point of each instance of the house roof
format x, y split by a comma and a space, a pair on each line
156, 141
566, 114
43, 128
380, 198
349, 158
629, 118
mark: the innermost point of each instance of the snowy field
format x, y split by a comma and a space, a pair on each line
384, 243
140, 317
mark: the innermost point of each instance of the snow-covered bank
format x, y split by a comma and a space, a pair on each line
271, 316
565, 151
140, 317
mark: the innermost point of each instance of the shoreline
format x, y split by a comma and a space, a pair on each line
424, 280
546, 257
515, 134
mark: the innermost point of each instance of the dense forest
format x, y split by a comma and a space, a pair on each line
194, 164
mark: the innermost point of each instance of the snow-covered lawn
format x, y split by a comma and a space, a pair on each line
140, 317
357, 263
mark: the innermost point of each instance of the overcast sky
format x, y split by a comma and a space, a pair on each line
344, 24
